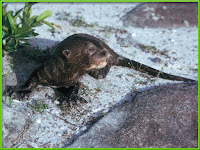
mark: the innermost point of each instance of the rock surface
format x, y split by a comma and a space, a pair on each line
164, 116
15, 124
163, 15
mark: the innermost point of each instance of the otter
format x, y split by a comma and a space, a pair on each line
77, 55
119, 60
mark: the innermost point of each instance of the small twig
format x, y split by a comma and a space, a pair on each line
57, 25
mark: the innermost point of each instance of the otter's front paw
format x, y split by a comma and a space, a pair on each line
22, 96
73, 99
18, 94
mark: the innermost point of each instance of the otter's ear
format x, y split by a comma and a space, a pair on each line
66, 53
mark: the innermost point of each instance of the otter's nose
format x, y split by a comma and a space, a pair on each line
104, 52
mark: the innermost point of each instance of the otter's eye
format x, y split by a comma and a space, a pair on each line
91, 49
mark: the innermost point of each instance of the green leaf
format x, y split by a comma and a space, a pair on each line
11, 42
11, 20
34, 34
24, 40
10, 49
36, 24
6, 23
24, 35
30, 4
33, 17
29, 12
25, 18
3, 35
16, 41
5, 28
4, 10
7, 36
24, 31
24, 44
25, 5
11, 46
17, 14
49, 24
44, 15
32, 20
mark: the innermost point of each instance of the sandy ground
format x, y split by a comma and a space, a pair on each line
104, 21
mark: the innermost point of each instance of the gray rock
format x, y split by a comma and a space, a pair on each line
14, 126
156, 60
163, 15
10, 80
126, 41
164, 116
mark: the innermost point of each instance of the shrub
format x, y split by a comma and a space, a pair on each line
16, 34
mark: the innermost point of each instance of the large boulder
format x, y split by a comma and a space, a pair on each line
164, 116
163, 15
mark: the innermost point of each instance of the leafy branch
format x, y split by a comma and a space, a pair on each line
16, 34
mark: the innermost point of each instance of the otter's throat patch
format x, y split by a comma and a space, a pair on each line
101, 64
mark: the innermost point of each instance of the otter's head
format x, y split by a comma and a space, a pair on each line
88, 54
98, 56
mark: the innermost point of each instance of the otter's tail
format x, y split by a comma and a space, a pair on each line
122, 61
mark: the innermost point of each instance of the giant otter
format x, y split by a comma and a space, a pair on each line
81, 54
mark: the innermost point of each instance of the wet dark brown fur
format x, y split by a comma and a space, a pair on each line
80, 54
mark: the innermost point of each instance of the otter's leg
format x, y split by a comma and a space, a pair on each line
22, 91
70, 94
100, 74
